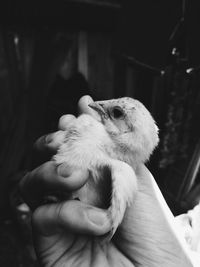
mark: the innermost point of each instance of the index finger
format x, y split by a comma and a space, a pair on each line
83, 107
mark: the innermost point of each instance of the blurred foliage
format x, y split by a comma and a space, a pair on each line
181, 131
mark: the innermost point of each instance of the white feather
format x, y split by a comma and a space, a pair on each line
111, 144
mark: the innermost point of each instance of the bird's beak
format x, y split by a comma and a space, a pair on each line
99, 109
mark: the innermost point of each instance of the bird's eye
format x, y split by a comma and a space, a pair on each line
117, 113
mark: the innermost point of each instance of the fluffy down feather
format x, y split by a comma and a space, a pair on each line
124, 135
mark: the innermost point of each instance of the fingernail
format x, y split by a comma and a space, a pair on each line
98, 217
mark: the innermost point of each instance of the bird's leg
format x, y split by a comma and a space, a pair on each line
124, 187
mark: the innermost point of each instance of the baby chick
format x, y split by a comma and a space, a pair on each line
122, 135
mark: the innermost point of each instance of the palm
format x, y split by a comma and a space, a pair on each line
67, 249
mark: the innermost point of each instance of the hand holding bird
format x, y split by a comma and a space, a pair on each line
123, 134
64, 232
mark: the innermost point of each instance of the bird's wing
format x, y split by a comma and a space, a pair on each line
124, 187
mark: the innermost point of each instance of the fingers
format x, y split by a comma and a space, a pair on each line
50, 142
83, 107
83, 103
65, 120
72, 216
48, 179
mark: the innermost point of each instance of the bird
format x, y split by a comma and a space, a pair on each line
110, 146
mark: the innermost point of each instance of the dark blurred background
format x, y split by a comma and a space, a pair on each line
54, 52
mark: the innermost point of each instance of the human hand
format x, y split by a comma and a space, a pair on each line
66, 233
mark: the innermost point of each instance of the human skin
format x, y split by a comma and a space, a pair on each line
69, 233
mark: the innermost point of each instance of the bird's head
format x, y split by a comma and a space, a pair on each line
130, 125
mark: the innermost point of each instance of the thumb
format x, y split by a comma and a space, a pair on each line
72, 216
